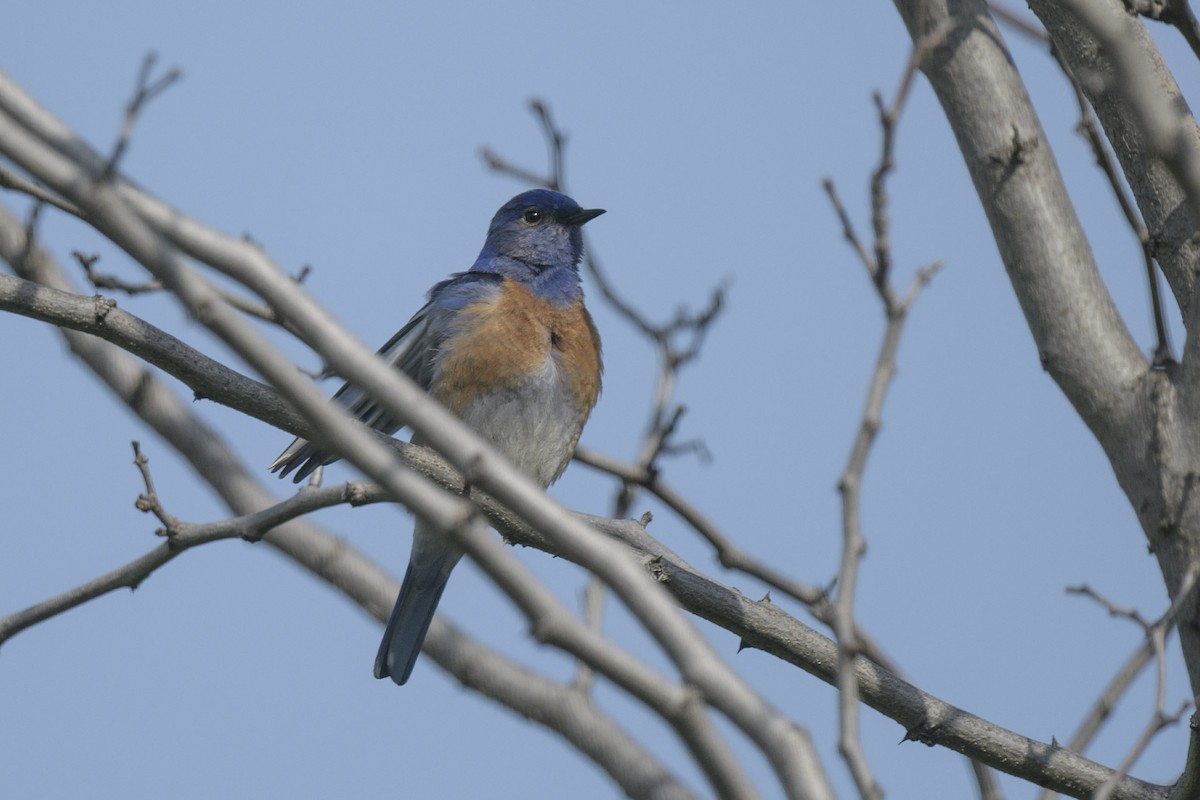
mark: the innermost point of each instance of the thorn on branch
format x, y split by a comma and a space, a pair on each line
921, 732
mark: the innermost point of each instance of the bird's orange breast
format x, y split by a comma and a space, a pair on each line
516, 336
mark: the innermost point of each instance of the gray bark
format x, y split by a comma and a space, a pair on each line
1145, 420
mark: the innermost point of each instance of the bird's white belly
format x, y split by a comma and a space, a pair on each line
534, 424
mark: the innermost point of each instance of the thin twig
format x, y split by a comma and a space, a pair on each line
144, 91
183, 536
848, 231
1102, 709
14, 182
728, 552
1156, 637
100, 280
148, 501
105, 281
877, 260
557, 140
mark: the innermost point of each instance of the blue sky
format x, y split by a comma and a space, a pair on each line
348, 140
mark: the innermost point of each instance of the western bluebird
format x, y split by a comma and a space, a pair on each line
509, 347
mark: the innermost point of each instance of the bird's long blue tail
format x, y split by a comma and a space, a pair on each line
428, 570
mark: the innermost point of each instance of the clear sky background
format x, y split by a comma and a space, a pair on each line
348, 139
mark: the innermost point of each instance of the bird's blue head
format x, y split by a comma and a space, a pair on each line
539, 229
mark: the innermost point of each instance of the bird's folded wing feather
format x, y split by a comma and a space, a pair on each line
412, 350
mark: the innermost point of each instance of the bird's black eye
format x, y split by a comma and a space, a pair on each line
532, 215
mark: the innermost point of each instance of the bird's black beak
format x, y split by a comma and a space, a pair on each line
582, 215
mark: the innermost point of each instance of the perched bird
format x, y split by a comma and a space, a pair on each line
507, 346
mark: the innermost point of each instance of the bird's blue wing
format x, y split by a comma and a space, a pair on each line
413, 351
